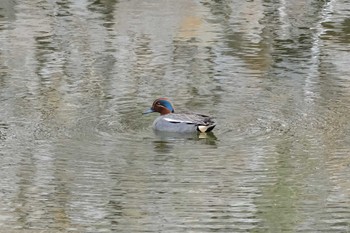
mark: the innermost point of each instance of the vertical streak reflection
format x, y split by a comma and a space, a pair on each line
313, 74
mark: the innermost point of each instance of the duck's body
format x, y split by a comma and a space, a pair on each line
169, 121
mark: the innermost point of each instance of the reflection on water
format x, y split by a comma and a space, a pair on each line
77, 155
166, 141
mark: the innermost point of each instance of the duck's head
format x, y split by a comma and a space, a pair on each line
161, 105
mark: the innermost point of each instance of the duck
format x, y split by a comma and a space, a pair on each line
173, 122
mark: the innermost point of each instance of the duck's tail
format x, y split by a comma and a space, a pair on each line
205, 128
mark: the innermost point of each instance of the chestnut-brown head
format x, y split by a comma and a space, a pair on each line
161, 105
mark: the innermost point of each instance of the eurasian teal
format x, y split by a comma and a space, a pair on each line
169, 121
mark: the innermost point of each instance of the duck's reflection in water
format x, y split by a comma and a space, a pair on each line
166, 141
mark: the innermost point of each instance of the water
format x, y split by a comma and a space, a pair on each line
76, 154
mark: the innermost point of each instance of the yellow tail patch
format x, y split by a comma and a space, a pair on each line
202, 128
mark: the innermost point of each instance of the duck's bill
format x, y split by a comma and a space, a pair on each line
148, 111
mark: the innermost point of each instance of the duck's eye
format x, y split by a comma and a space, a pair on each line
157, 103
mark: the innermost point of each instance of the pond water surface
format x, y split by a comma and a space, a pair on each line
76, 154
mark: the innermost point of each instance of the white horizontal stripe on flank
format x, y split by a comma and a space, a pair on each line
178, 121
